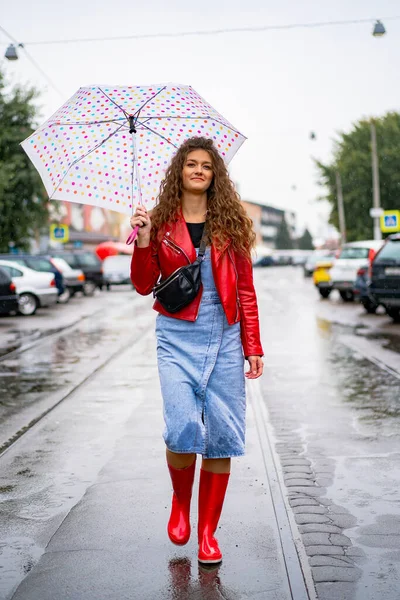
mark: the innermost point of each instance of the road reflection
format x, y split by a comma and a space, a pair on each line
208, 585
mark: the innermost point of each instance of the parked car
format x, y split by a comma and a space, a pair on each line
385, 277
352, 256
312, 260
8, 295
91, 266
116, 270
38, 262
74, 279
34, 288
361, 289
264, 261
322, 277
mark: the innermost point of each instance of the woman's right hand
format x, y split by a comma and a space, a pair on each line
142, 219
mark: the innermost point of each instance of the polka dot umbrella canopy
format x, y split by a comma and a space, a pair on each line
109, 146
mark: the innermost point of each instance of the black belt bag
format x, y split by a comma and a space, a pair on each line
182, 286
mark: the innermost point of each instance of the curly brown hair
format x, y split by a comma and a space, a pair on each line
226, 217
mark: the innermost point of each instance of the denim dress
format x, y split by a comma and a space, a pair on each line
201, 369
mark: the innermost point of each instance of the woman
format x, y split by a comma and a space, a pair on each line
200, 348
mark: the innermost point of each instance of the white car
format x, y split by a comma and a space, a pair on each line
352, 257
117, 270
35, 289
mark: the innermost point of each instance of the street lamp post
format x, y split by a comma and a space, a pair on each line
376, 196
342, 219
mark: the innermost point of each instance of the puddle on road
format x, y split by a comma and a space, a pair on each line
386, 341
27, 377
21, 337
370, 390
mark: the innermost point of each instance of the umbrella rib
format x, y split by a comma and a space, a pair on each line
86, 122
158, 134
147, 101
84, 156
191, 119
111, 100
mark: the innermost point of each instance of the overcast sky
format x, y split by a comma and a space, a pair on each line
274, 86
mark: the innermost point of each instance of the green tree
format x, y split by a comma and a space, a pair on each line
352, 158
23, 200
283, 240
305, 241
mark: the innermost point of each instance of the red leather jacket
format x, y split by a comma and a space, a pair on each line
233, 276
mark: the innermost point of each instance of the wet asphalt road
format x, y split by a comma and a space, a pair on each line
333, 395
329, 400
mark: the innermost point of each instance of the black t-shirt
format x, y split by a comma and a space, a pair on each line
196, 231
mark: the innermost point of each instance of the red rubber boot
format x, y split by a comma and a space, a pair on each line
211, 499
179, 521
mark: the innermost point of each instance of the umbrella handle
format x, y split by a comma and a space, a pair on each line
132, 235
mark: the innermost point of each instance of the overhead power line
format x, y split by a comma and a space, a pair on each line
33, 61
253, 29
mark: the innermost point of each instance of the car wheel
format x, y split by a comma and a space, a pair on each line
28, 304
347, 296
370, 307
394, 313
324, 292
65, 296
89, 288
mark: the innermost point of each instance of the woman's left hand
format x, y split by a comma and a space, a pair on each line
256, 367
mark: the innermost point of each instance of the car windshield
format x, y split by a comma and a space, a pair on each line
39, 264
390, 251
89, 260
61, 264
319, 256
353, 252
69, 259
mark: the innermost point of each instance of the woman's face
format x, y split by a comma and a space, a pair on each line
197, 173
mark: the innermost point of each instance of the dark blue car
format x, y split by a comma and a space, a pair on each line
361, 290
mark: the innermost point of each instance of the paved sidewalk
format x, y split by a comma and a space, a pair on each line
112, 544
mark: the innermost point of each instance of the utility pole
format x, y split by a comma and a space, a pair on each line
376, 196
342, 220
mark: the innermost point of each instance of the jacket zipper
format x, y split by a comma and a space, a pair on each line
169, 242
170, 278
166, 242
237, 290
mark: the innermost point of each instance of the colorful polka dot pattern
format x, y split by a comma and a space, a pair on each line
86, 154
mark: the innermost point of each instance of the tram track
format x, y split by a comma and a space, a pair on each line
51, 335
111, 336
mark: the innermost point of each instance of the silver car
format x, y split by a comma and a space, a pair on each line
116, 270
35, 289
74, 279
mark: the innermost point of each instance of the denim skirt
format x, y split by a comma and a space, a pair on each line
201, 369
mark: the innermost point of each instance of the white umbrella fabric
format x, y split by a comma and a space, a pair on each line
109, 146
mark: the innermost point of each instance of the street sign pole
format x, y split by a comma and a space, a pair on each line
375, 182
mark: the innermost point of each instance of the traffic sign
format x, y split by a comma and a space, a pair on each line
59, 233
376, 212
390, 221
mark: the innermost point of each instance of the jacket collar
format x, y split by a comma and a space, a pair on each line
180, 235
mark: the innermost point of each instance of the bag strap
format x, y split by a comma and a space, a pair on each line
203, 243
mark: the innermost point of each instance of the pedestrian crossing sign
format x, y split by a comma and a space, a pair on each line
59, 233
390, 221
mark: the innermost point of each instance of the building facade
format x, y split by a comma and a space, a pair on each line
267, 220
